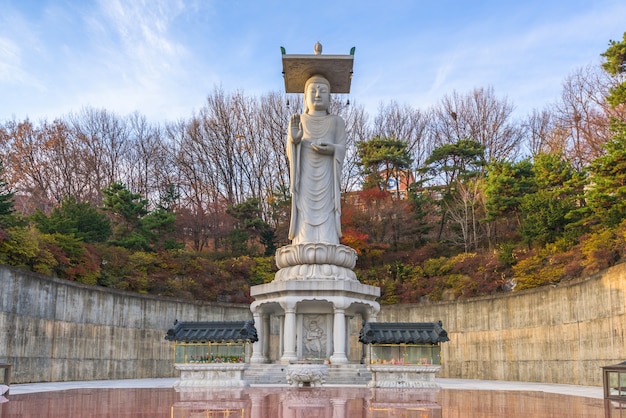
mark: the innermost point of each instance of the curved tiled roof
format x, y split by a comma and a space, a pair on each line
403, 333
225, 331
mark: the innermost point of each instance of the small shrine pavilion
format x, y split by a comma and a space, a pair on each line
212, 353
403, 354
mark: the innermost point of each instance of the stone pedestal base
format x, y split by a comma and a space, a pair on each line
314, 295
404, 376
217, 375
317, 261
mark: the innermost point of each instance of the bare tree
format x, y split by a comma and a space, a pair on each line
357, 130
272, 116
539, 127
466, 210
479, 116
197, 182
582, 115
63, 166
103, 139
251, 151
27, 164
148, 160
406, 124
220, 136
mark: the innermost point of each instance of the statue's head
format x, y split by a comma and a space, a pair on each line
316, 94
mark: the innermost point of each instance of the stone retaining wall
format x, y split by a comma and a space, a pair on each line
561, 334
57, 330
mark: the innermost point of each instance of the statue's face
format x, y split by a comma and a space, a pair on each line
318, 95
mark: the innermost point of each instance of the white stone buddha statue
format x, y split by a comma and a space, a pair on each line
316, 147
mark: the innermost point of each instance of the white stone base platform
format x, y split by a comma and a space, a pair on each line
403, 376
215, 375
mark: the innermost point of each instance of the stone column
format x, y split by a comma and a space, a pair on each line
371, 314
289, 333
266, 339
339, 337
281, 333
348, 347
257, 346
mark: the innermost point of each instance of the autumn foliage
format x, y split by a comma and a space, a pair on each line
455, 201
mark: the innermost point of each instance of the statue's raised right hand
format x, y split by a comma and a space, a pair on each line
295, 129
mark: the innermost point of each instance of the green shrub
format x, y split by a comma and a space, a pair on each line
600, 250
537, 270
262, 271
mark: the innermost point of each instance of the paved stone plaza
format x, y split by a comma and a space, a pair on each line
460, 384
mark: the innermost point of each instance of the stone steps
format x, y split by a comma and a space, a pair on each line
338, 374
349, 374
266, 374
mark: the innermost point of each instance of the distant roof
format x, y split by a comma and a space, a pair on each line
403, 333
225, 331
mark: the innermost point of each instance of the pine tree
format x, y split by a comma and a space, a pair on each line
615, 65
6, 200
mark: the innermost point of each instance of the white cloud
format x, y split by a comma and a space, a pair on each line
162, 57
10, 70
131, 59
141, 38
18, 40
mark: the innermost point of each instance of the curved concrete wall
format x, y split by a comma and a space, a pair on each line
56, 330
561, 334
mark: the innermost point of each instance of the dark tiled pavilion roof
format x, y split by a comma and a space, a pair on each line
225, 331
403, 333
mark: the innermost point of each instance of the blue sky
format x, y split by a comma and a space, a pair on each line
163, 57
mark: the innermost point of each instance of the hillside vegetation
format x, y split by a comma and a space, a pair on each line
453, 201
